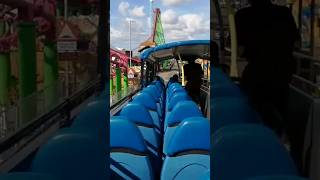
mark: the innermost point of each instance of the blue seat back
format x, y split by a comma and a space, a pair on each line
26, 176
183, 96
206, 176
138, 114
191, 134
170, 131
121, 130
231, 110
188, 151
175, 91
181, 111
72, 154
277, 177
249, 150
129, 155
93, 116
146, 100
153, 90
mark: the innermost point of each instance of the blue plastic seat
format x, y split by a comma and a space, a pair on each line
175, 91
160, 89
148, 102
206, 176
188, 152
155, 95
129, 155
155, 91
249, 150
182, 111
172, 85
158, 84
141, 117
93, 116
72, 154
26, 176
232, 110
169, 134
275, 177
182, 96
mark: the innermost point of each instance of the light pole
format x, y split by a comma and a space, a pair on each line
67, 62
130, 56
130, 41
151, 13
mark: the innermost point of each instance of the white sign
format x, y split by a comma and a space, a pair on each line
66, 46
130, 74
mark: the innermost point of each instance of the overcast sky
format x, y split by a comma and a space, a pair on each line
181, 20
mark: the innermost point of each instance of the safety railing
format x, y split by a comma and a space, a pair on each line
48, 113
118, 96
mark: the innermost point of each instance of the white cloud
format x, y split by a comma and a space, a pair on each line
169, 16
123, 8
174, 2
138, 11
119, 35
115, 34
185, 27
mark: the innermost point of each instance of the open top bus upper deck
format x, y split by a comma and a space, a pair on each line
178, 50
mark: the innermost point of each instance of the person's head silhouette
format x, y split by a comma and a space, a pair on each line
259, 3
175, 77
192, 62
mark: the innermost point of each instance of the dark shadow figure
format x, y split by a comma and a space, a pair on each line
193, 73
268, 33
174, 79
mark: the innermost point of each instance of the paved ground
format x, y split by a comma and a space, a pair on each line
167, 75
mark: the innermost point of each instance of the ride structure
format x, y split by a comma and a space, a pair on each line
157, 34
119, 65
22, 22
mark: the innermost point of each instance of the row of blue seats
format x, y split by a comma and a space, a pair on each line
75, 152
242, 147
166, 136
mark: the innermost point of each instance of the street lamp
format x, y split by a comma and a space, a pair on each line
130, 21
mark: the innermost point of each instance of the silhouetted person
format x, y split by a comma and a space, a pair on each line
173, 79
267, 33
215, 53
193, 73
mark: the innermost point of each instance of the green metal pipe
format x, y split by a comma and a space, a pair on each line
118, 79
4, 78
4, 71
111, 86
27, 70
51, 73
125, 83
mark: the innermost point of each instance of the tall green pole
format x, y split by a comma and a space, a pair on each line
125, 83
118, 79
50, 73
4, 78
4, 71
27, 70
111, 85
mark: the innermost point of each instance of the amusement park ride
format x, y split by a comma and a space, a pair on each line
119, 60
21, 25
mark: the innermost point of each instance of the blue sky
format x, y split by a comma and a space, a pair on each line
181, 20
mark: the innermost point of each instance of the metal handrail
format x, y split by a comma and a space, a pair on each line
62, 110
